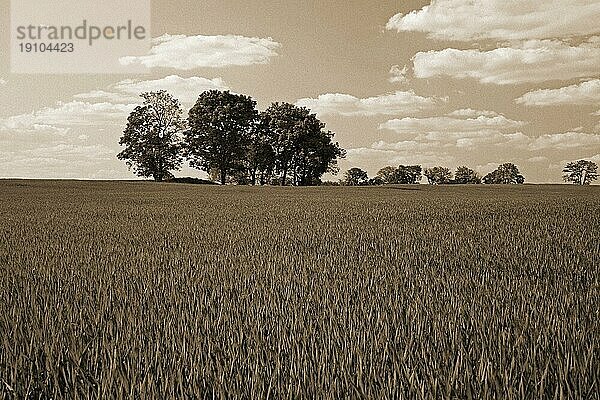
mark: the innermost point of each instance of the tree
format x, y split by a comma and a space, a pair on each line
580, 172
303, 149
152, 138
506, 173
261, 156
465, 175
386, 174
220, 131
355, 177
407, 174
375, 181
438, 175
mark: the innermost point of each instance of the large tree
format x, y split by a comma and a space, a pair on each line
465, 175
303, 149
407, 174
386, 174
506, 173
438, 175
220, 131
152, 138
580, 172
355, 177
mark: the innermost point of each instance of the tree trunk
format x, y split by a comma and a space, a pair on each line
283, 177
223, 176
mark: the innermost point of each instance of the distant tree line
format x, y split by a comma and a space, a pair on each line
580, 172
227, 137
412, 174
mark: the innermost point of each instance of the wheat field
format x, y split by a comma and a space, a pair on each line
136, 290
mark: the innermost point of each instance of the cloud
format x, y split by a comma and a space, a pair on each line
469, 112
468, 20
584, 93
531, 61
566, 141
185, 90
398, 75
400, 102
104, 96
110, 106
3, 82
61, 160
188, 52
447, 125
72, 113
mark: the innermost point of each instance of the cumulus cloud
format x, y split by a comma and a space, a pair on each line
110, 106
400, 102
106, 96
467, 20
398, 75
469, 112
185, 90
61, 160
449, 125
584, 93
531, 61
72, 113
189, 52
565, 141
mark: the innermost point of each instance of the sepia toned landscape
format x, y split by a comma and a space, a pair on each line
240, 199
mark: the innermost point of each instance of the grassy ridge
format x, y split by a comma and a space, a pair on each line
120, 290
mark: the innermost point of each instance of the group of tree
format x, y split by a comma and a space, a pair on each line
412, 174
227, 137
580, 172
403, 174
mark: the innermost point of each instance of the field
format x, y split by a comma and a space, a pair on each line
143, 290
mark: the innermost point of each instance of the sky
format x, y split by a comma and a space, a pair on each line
448, 82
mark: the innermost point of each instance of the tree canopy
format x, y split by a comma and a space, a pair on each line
580, 172
438, 175
303, 149
152, 138
220, 132
465, 175
507, 173
355, 177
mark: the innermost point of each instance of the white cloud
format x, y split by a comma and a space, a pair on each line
111, 106
469, 112
185, 90
400, 102
104, 96
531, 61
584, 93
189, 52
447, 125
469, 20
565, 141
538, 159
73, 113
398, 75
